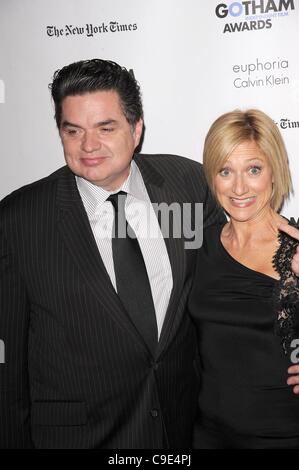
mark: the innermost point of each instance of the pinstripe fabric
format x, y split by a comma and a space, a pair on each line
141, 216
77, 372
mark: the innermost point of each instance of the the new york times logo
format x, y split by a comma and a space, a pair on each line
258, 13
285, 123
90, 30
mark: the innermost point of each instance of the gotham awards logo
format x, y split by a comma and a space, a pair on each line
254, 14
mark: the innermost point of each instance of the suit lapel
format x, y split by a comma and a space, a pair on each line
76, 232
160, 192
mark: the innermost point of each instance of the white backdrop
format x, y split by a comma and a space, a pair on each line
192, 66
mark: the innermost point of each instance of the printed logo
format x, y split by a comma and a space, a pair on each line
261, 73
286, 123
255, 14
90, 30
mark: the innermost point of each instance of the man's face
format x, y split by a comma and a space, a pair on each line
98, 141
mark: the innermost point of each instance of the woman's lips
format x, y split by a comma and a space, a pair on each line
242, 202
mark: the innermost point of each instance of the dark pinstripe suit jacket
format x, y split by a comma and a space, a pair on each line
77, 372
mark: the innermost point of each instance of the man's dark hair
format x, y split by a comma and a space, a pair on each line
88, 76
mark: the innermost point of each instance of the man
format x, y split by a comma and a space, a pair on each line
99, 351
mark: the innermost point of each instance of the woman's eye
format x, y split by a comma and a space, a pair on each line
255, 170
224, 172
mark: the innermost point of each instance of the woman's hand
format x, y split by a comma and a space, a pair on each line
294, 380
294, 233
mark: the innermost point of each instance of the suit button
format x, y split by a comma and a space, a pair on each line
154, 413
155, 365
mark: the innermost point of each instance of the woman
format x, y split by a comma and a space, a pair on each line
246, 306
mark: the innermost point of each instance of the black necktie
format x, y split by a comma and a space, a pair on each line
132, 281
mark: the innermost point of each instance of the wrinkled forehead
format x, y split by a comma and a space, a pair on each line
245, 152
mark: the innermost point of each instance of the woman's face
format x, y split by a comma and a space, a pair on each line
244, 184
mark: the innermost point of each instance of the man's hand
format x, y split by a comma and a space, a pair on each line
294, 380
294, 233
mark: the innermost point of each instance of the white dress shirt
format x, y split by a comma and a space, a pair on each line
142, 218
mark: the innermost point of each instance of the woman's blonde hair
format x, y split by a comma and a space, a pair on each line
232, 129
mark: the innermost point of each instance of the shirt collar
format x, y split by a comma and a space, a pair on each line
134, 185
94, 196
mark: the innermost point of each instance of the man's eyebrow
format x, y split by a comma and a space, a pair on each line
70, 124
106, 123
97, 124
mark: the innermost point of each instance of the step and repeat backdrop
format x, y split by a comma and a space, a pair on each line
194, 61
